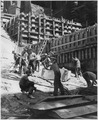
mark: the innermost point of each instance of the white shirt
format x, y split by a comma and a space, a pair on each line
25, 56
32, 56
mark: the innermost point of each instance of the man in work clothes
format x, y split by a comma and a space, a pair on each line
16, 58
90, 76
15, 55
24, 61
26, 85
77, 67
32, 61
57, 76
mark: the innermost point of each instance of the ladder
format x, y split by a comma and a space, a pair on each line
42, 47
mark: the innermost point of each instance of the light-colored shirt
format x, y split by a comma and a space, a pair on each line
32, 56
77, 62
38, 57
25, 56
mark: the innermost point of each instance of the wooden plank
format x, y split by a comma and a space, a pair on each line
72, 42
51, 98
87, 116
5, 17
16, 115
76, 111
47, 99
61, 104
70, 110
53, 105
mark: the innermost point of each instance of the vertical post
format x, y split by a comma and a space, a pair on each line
62, 21
19, 24
29, 23
54, 27
51, 8
44, 27
29, 26
39, 27
19, 30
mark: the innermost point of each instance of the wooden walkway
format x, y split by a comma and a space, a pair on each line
64, 107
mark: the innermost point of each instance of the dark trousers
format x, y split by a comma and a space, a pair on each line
78, 72
23, 63
32, 64
58, 84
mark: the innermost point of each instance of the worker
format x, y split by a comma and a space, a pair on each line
26, 85
57, 76
16, 58
22, 64
16, 61
38, 58
15, 55
32, 61
90, 76
77, 67
25, 59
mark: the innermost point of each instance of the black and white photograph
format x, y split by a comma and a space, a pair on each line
48, 59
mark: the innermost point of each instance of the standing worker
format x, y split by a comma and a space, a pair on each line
32, 62
50, 63
77, 67
15, 55
57, 76
90, 76
25, 59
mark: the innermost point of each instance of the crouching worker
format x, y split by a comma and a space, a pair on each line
26, 85
90, 76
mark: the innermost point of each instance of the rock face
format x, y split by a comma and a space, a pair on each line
7, 46
36, 9
26, 6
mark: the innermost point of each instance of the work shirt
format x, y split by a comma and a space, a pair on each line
24, 80
55, 68
25, 56
38, 57
32, 56
77, 63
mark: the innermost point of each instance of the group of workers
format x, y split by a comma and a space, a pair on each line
89, 76
26, 61
49, 61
